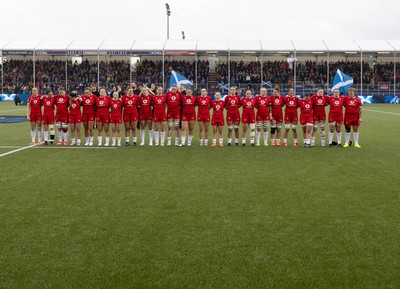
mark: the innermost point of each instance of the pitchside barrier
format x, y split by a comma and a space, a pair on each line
365, 99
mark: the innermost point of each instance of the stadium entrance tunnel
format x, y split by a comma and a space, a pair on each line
12, 119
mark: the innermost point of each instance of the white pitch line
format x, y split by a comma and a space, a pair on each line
10, 147
82, 148
18, 150
386, 112
17, 109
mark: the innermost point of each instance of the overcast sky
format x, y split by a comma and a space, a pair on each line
202, 19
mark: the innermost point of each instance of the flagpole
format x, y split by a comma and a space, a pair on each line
361, 73
361, 69
327, 65
394, 68
196, 67
294, 67
229, 66
163, 66
261, 70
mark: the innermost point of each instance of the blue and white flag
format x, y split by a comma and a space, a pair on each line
267, 83
342, 82
178, 79
223, 86
7, 97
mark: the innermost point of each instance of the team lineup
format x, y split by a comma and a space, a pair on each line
174, 114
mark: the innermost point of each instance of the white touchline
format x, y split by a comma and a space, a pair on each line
17, 109
394, 113
37, 146
82, 148
18, 150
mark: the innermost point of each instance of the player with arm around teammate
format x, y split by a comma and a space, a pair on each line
277, 116
130, 115
188, 116
103, 117
48, 116
291, 118
203, 116
173, 114
306, 119
75, 118
34, 115
217, 120
159, 116
248, 104
145, 116
116, 118
88, 115
352, 117
335, 116
62, 104
232, 104
319, 102
263, 116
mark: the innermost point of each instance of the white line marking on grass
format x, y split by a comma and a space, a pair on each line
386, 112
17, 109
18, 150
77, 148
10, 147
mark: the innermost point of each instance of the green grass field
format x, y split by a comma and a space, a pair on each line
202, 217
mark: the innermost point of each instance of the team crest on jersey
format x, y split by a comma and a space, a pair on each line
248, 103
262, 102
101, 102
203, 102
291, 102
336, 102
130, 102
115, 105
188, 101
233, 102
307, 106
35, 101
320, 101
48, 102
351, 101
61, 100
87, 101
276, 100
173, 98
145, 101
73, 105
217, 106
159, 101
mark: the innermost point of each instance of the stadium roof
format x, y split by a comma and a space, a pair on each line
204, 46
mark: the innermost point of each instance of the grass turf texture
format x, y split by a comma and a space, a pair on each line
147, 217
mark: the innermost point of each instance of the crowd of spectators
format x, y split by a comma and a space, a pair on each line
51, 73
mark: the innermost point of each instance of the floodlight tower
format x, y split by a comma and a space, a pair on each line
168, 14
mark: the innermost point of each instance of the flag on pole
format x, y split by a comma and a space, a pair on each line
178, 79
342, 82
223, 86
267, 83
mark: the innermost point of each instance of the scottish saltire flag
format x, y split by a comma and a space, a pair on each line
342, 82
178, 79
223, 86
7, 97
267, 83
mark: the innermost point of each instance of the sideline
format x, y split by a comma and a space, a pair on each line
386, 112
37, 146
18, 150
17, 109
